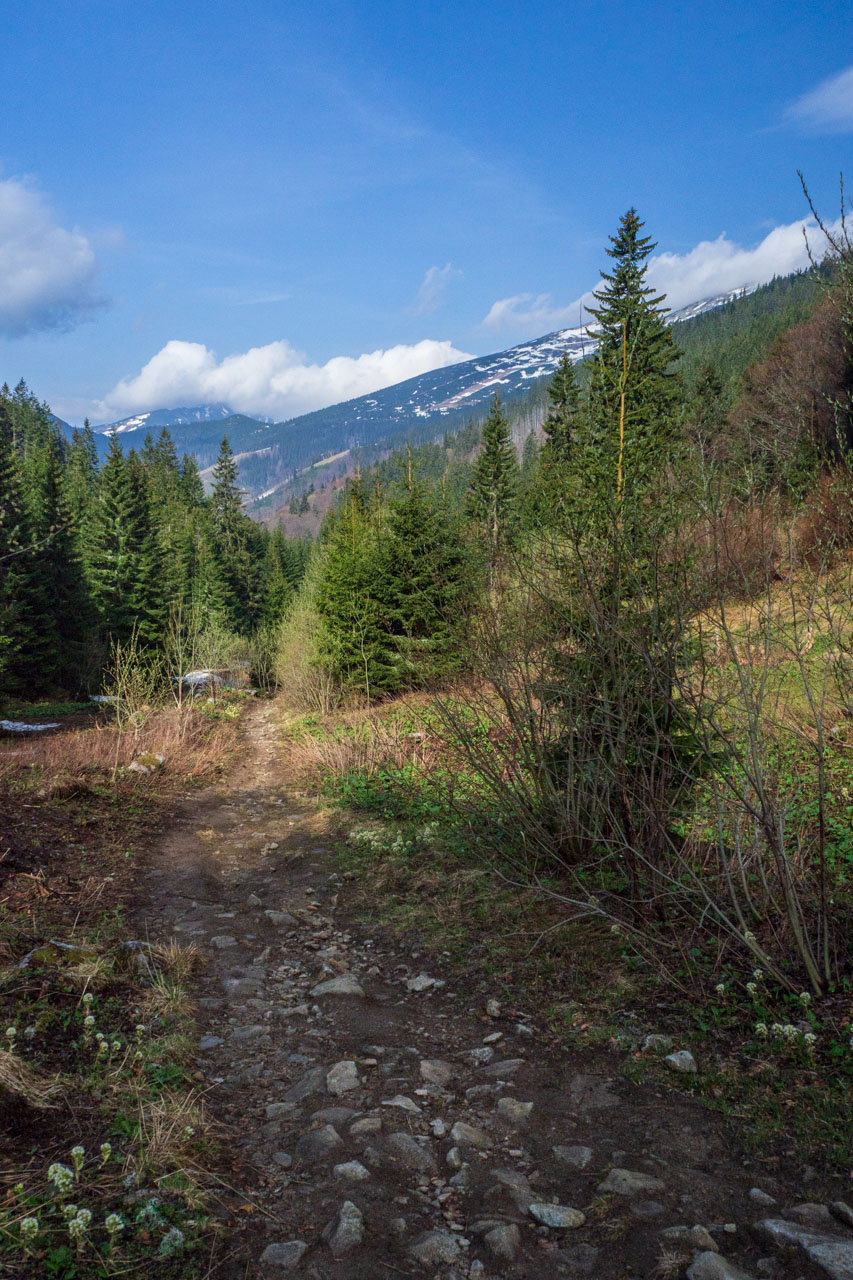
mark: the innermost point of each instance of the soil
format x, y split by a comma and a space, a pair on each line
245, 874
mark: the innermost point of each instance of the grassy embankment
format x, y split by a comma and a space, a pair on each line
106, 1145
430, 861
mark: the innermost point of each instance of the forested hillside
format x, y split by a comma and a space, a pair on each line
93, 555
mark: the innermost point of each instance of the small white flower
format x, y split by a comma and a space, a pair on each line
88, 1021
84, 1216
777, 1029
61, 1177
761, 1029
752, 988
77, 1229
810, 1039
113, 1224
749, 937
805, 998
140, 1030
189, 1131
103, 1049
78, 1155
88, 998
720, 988
11, 1033
99, 1036
106, 1152
758, 974
115, 1046
29, 1228
69, 1211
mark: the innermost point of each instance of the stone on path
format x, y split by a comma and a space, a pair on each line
404, 1103
713, 1266
352, 1170
346, 1231
503, 1241
422, 982
682, 1061
655, 1043
761, 1197
467, 1135
559, 1216
318, 1144
436, 1247
503, 1069
697, 1237
208, 1042
222, 941
513, 1111
573, 1157
342, 1078
409, 1152
834, 1253
436, 1071
346, 985
283, 1256
626, 1182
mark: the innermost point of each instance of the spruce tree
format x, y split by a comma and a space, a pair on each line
420, 586
233, 532
563, 406
634, 392
14, 543
493, 492
121, 556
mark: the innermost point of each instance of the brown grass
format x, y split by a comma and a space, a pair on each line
19, 1078
66, 763
363, 740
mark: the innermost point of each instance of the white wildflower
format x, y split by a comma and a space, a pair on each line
752, 988
29, 1228
61, 1177
113, 1224
805, 998
761, 1029
106, 1152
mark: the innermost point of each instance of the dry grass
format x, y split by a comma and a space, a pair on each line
166, 999
19, 1078
364, 741
66, 763
178, 961
169, 1129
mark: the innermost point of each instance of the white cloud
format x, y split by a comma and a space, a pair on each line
274, 380
432, 290
828, 108
48, 275
712, 267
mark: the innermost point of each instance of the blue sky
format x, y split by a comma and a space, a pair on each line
282, 207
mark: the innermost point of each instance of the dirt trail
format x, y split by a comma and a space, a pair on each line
414, 1129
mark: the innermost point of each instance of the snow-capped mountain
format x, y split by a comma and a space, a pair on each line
269, 453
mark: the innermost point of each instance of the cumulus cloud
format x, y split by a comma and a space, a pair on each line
828, 108
432, 290
48, 274
712, 267
273, 380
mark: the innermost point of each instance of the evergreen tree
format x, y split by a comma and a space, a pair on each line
121, 561
420, 584
81, 474
493, 492
563, 406
233, 530
13, 546
634, 392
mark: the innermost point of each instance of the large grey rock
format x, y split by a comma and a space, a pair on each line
514, 1112
283, 1256
692, 1237
503, 1070
352, 1171
346, 1230
713, 1266
810, 1215
404, 1148
436, 1071
573, 1157
761, 1197
834, 1253
468, 1135
503, 1241
312, 1082
436, 1247
346, 985
558, 1216
342, 1078
318, 1144
682, 1061
627, 1182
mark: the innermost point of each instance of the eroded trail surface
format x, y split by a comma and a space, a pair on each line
386, 1124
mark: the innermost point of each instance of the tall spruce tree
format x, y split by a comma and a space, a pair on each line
493, 493
560, 421
420, 583
13, 548
634, 392
121, 554
233, 532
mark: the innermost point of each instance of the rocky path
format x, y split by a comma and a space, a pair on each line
386, 1122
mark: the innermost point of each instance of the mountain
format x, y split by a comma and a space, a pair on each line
271, 454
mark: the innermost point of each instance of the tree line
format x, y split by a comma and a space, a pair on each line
92, 554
